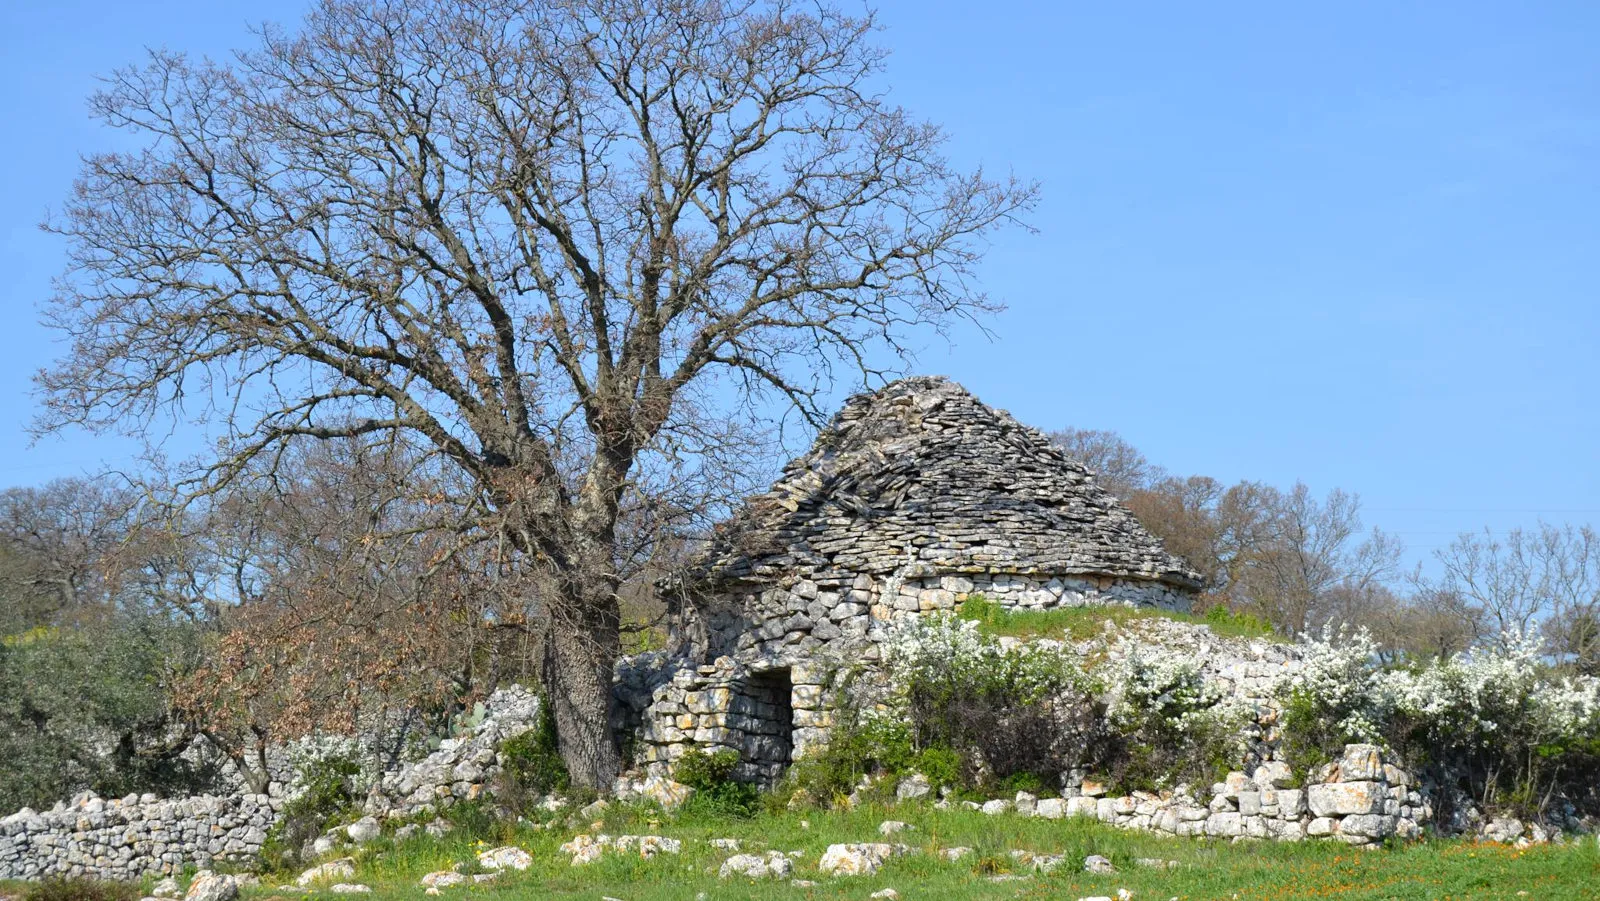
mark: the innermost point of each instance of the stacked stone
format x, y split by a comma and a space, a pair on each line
1360, 800
133, 837
461, 769
920, 478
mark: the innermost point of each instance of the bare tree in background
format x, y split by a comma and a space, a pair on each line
1544, 580
1119, 467
1318, 567
554, 242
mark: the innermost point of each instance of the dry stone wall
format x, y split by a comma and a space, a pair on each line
1359, 799
132, 837
142, 835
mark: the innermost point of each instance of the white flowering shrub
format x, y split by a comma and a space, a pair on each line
1496, 723
1021, 715
1168, 723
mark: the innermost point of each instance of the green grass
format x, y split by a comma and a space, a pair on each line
1080, 623
1208, 870
1249, 871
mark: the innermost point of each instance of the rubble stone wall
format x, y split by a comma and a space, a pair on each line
142, 835
132, 837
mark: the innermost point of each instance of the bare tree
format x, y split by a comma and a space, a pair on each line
1548, 580
1119, 467
1314, 569
551, 240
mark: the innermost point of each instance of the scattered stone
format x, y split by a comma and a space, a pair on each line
1098, 865
332, 871
349, 888
995, 807
443, 879
890, 827
166, 888
774, 865
887, 894
505, 857
802, 883
955, 853
364, 830
913, 787
724, 844
854, 859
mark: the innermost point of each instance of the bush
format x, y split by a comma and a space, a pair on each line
1496, 724
79, 890
1029, 711
1168, 725
866, 745
87, 707
327, 793
531, 764
716, 792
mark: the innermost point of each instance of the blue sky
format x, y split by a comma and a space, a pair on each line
1358, 246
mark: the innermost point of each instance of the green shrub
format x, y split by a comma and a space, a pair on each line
716, 792
862, 745
80, 890
531, 764
1031, 711
327, 795
1168, 725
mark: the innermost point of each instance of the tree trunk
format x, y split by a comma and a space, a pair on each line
582, 644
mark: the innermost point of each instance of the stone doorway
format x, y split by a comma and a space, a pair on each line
768, 724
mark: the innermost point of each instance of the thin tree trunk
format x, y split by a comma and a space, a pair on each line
580, 649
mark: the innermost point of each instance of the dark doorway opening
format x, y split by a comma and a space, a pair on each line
769, 747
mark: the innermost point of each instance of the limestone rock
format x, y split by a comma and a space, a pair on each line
332, 871
209, 886
1343, 798
774, 865
854, 859
505, 857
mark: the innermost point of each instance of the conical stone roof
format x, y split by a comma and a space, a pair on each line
921, 478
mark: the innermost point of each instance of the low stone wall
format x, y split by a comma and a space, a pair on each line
135, 836
1358, 800
933, 594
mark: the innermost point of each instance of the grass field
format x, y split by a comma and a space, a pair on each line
1080, 623
1205, 869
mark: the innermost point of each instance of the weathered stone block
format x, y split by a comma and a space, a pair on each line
1344, 798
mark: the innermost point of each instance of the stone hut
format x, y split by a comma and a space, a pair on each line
914, 498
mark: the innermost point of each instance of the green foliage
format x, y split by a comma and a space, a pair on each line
1417, 871
86, 707
327, 795
531, 764
860, 746
1029, 711
716, 792
1168, 725
1235, 624
80, 890
1311, 733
